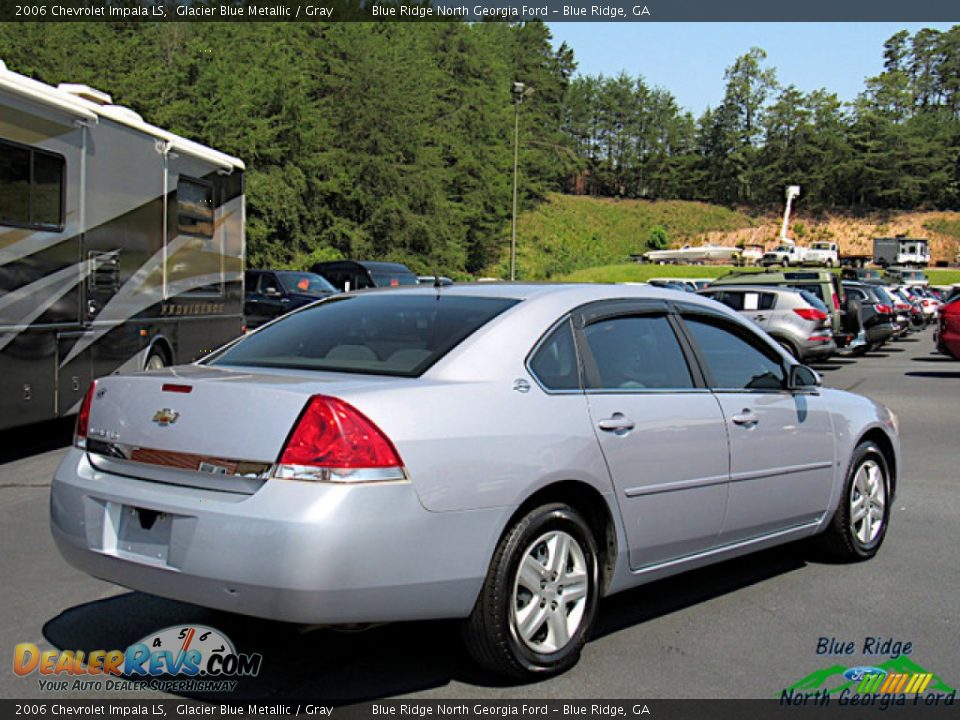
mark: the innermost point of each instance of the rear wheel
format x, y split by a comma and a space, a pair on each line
538, 603
788, 346
786, 262
860, 523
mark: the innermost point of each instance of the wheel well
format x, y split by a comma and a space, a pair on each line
161, 346
590, 503
876, 435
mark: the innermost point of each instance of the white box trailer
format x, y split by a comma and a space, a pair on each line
121, 246
901, 251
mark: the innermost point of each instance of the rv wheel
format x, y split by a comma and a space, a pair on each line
155, 360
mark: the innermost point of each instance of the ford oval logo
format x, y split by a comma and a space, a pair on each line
165, 417
858, 673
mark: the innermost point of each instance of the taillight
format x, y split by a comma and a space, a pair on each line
810, 313
884, 309
83, 418
819, 338
334, 442
836, 302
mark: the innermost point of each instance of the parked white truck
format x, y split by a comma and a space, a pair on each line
822, 253
785, 254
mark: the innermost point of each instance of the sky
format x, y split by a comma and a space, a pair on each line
689, 59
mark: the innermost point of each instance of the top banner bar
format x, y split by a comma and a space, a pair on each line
479, 10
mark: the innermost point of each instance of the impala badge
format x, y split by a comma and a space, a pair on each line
165, 417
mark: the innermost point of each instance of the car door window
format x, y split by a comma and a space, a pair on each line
554, 363
269, 285
733, 361
767, 301
732, 299
636, 352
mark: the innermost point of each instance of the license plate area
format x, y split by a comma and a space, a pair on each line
137, 533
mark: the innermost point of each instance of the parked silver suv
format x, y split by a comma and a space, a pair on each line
796, 319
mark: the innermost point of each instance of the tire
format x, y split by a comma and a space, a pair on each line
156, 360
495, 634
854, 540
788, 346
785, 263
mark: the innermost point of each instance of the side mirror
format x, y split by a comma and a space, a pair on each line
801, 378
272, 292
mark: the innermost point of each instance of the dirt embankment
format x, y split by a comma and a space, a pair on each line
854, 235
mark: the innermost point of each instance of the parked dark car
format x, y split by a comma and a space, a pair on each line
876, 317
271, 293
349, 275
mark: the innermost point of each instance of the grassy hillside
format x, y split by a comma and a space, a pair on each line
569, 233
585, 238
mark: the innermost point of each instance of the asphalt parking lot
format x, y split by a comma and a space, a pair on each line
745, 628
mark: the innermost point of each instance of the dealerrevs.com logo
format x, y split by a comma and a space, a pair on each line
185, 658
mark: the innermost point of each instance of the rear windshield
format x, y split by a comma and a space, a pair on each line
810, 288
813, 300
883, 296
378, 334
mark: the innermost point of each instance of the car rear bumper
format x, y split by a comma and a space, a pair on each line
880, 333
817, 351
293, 551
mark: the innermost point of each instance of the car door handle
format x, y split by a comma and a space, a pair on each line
745, 418
618, 424
760, 317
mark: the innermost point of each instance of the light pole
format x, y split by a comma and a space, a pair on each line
519, 92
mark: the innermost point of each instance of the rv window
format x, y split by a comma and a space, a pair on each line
195, 208
31, 187
195, 259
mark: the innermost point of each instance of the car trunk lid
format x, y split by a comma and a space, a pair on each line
221, 429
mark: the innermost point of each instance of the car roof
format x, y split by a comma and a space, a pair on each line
377, 265
754, 288
572, 293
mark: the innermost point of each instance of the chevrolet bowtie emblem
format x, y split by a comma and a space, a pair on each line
165, 417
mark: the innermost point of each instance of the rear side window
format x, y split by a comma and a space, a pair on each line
378, 334
733, 362
635, 353
555, 361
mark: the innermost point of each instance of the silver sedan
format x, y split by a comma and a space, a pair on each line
504, 454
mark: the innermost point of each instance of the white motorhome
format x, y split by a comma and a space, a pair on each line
121, 245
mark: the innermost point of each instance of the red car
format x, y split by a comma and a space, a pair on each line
948, 333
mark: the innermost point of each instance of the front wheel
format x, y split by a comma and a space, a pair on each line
860, 523
539, 600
